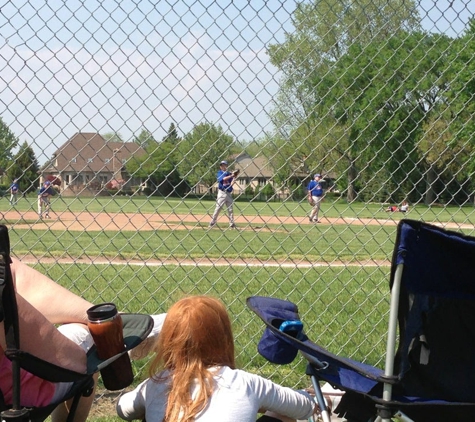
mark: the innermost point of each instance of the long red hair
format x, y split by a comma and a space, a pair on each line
196, 335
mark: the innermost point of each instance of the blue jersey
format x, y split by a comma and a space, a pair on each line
315, 188
224, 185
14, 188
45, 191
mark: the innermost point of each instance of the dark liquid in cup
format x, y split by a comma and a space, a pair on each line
105, 325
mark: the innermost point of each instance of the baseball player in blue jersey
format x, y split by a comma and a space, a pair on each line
315, 196
225, 187
44, 195
14, 190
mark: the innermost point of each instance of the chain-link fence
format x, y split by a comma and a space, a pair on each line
129, 107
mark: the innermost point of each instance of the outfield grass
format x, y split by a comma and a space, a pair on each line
306, 242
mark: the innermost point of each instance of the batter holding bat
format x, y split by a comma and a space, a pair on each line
225, 185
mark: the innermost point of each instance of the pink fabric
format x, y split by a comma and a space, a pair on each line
35, 392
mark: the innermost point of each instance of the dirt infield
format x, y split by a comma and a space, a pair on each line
138, 221
86, 221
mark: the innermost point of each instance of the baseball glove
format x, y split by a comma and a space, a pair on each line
236, 172
310, 201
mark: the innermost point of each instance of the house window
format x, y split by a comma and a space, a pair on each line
74, 160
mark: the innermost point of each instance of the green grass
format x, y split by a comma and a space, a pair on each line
305, 242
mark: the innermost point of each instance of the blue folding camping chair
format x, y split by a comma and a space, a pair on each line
429, 373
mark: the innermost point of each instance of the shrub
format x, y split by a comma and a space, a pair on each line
268, 190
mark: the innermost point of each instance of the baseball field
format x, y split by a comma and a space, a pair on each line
144, 254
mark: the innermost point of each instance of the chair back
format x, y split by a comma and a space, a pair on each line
435, 356
9, 316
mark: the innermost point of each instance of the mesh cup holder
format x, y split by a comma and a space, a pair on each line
274, 348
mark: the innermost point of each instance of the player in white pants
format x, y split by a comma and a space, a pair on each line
315, 196
225, 197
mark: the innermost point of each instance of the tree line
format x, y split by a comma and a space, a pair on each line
370, 95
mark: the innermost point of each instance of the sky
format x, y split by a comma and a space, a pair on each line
124, 66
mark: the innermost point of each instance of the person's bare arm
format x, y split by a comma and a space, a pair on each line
41, 338
57, 304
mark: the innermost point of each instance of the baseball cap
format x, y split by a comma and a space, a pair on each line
47, 183
223, 162
317, 175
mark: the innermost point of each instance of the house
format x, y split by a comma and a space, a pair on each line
252, 172
87, 162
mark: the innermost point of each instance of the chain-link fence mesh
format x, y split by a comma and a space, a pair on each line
128, 108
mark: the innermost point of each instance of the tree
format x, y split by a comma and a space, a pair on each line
145, 139
324, 33
8, 142
201, 151
268, 191
113, 137
462, 87
461, 94
172, 135
25, 168
445, 160
384, 92
158, 167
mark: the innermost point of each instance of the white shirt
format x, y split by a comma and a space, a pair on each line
237, 398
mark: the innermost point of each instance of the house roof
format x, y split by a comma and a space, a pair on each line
253, 167
257, 167
91, 152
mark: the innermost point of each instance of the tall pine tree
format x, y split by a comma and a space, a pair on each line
25, 168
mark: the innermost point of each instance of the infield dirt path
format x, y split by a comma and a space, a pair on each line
87, 221
138, 221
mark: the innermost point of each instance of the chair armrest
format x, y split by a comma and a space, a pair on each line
136, 329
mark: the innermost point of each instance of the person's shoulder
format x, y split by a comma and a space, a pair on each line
156, 385
235, 379
239, 375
